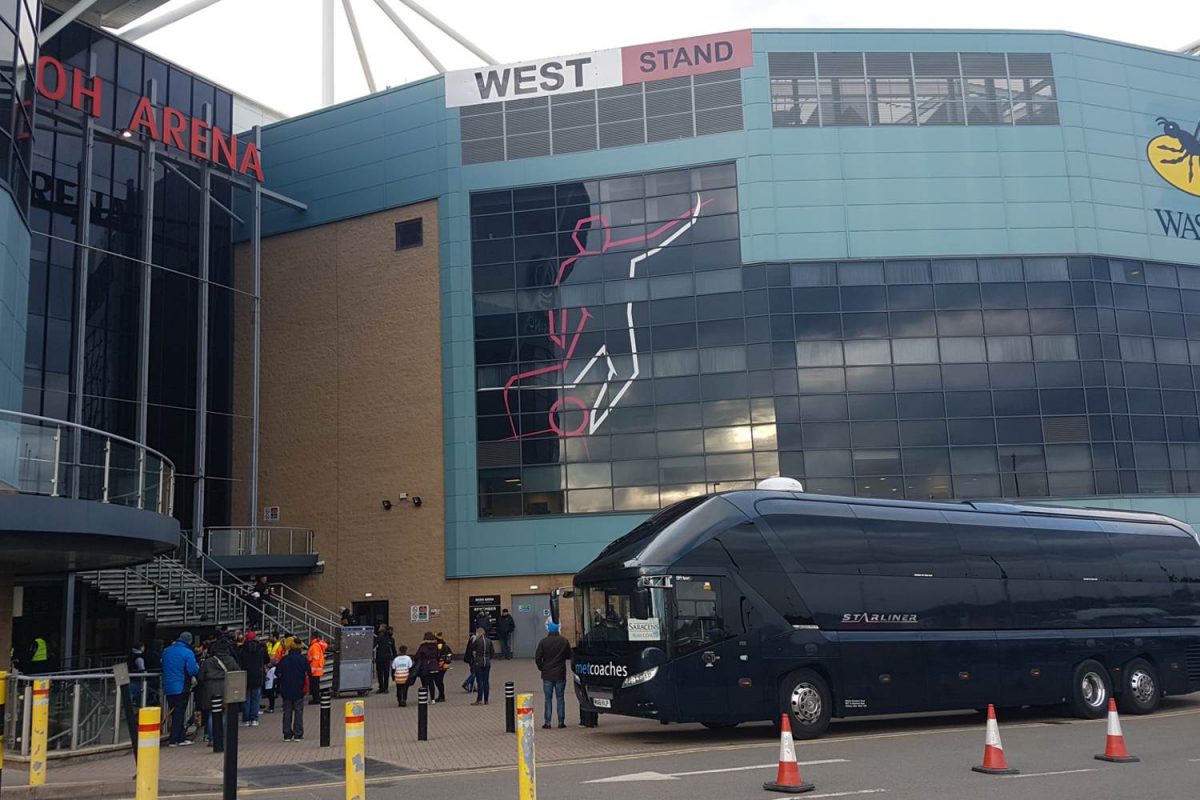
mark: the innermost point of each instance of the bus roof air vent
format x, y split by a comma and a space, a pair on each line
778, 484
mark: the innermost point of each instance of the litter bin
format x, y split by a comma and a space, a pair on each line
354, 660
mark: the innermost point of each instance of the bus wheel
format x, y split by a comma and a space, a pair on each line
805, 697
1140, 692
1090, 690
720, 726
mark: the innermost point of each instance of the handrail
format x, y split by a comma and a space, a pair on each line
254, 534
38, 446
280, 588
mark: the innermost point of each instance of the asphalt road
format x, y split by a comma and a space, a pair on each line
907, 759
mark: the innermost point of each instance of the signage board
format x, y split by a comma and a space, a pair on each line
599, 69
645, 630
484, 612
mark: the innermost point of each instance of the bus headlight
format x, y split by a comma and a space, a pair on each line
639, 678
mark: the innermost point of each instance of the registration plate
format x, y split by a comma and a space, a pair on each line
601, 702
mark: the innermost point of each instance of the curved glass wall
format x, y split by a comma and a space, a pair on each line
18, 59
626, 359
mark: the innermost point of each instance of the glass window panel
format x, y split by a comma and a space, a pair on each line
962, 350
826, 434
913, 323
915, 351
828, 380
907, 272
866, 352
959, 323
819, 354
1009, 348
923, 432
1062, 348
869, 379
860, 274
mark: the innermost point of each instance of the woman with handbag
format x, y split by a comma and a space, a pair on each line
427, 664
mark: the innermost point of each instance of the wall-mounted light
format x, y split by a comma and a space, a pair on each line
533, 587
368, 594
387, 504
416, 501
126, 134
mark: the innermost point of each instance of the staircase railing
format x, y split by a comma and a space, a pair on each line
295, 617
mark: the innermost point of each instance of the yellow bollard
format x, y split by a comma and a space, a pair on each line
38, 732
526, 768
149, 736
356, 751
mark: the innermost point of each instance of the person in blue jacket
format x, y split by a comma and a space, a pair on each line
178, 668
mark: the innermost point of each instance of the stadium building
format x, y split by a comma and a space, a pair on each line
425, 353
546, 299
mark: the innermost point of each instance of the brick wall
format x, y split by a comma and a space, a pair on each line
351, 414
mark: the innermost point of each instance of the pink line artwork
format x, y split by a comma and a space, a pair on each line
566, 340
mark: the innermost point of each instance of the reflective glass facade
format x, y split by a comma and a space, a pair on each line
18, 57
114, 253
625, 359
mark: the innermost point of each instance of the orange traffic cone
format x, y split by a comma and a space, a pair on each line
993, 751
787, 778
1114, 747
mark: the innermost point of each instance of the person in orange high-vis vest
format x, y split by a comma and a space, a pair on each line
316, 663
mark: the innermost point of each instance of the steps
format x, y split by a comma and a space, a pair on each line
203, 594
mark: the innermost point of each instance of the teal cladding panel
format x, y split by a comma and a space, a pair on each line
1083, 186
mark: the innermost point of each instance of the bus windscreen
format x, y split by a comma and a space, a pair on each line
619, 612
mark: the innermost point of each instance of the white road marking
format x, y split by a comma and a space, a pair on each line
834, 794
1044, 774
674, 776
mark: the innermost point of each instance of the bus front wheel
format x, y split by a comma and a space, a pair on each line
804, 697
1140, 692
1090, 690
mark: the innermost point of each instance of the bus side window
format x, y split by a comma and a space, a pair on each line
1001, 552
825, 545
698, 616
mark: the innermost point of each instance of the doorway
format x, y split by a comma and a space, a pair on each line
370, 612
530, 612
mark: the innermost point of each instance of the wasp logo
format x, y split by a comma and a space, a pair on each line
1178, 170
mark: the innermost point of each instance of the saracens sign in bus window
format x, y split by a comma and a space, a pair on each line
168, 125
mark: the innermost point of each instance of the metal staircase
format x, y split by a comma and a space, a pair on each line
191, 588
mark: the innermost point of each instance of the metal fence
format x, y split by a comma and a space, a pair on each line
86, 713
259, 541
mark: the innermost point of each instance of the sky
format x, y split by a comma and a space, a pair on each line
270, 50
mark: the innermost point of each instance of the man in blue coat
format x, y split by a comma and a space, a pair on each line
178, 668
290, 676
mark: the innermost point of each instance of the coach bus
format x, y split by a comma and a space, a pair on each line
744, 605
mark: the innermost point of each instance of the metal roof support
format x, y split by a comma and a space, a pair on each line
453, 34
358, 45
51, 30
326, 52
412, 37
163, 20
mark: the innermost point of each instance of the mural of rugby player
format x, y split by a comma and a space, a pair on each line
608, 376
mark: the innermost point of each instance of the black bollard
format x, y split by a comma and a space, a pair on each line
510, 707
423, 715
229, 781
217, 715
326, 703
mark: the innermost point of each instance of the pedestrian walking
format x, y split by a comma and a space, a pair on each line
316, 664
444, 656
402, 675
136, 662
551, 658
427, 663
504, 628
269, 690
482, 653
179, 667
468, 685
290, 676
253, 658
222, 658
385, 653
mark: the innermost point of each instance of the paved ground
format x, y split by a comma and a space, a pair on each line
927, 756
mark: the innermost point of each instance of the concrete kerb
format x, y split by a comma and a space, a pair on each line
103, 790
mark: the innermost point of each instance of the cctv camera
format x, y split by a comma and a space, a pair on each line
387, 505
416, 501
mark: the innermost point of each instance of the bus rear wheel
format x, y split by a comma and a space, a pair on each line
804, 697
1090, 690
1140, 692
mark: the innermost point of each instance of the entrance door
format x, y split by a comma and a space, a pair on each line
530, 612
370, 612
708, 643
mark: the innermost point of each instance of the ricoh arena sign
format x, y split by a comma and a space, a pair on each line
167, 125
599, 69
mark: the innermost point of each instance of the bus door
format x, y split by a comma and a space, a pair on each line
705, 645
